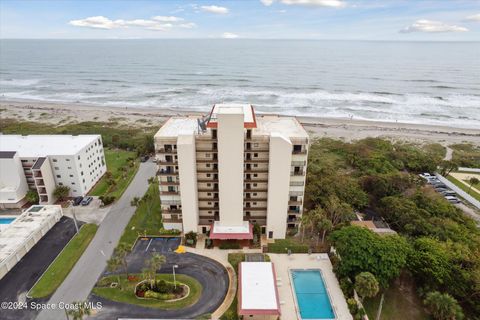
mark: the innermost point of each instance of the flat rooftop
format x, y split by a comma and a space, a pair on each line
258, 289
287, 126
27, 224
247, 110
176, 126
45, 145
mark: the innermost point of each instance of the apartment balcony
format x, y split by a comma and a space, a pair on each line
256, 149
212, 208
255, 189
172, 220
171, 211
254, 208
256, 180
207, 190
40, 182
166, 162
248, 218
37, 174
211, 149
297, 211
293, 220
294, 203
162, 150
169, 193
207, 180
163, 172
212, 160
299, 152
256, 170
254, 160
208, 199
169, 183
297, 173
207, 170
42, 191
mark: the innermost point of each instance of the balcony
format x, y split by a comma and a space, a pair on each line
40, 182
256, 180
166, 162
171, 220
162, 150
169, 183
207, 199
255, 189
299, 152
169, 193
212, 160
208, 190
297, 173
207, 170
163, 172
171, 211
256, 160
294, 203
297, 211
207, 180
212, 208
254, 208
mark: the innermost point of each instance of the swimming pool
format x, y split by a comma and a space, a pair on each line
6, 220
312, 296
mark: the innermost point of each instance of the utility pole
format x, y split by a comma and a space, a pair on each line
174, 281
74, 217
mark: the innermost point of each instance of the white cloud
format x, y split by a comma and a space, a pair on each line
215, 9
432, 26
267, 2
167, 19
158, 23
188, 25
314, 3
475, 17
229, 35
97, 22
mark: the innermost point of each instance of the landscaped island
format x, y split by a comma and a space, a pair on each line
162, 297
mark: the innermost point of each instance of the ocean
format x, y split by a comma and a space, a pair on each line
413, 82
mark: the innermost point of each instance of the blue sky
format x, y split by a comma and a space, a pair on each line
440, 20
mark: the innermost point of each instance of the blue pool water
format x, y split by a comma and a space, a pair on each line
312, 297
6, 220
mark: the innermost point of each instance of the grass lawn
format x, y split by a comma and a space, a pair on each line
116, 159
465, 188
60, 268
125, 293
400, 303
282, 246
147, 219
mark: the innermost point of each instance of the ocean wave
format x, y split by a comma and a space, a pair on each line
19, 82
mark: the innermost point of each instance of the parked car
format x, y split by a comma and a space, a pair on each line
439, 185
442, 189
452, 199
426, 175
144, 158
77, 200
449, 193
86, 201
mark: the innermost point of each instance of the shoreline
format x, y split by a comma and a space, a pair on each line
344, 128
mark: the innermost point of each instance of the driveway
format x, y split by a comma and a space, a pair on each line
15, 285
84, 275
212, 276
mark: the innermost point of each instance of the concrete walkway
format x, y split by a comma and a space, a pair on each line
82, 278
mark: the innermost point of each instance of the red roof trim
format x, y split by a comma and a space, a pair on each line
232, 236
246, 312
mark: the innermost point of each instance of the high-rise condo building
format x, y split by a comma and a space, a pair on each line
224, 172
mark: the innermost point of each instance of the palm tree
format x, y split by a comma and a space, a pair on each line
122, 251
472, 181
443, 306
82, 309
154, 264
338, 211
305, 221
325, 225
135, 202
112, 265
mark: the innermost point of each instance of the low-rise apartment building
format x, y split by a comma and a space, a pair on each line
231, 169
43, 162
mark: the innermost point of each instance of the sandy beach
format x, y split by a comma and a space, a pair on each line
346, 129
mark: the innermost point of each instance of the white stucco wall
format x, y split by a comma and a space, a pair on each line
278, 185
188, 181
13, 184
230, 165
49, 182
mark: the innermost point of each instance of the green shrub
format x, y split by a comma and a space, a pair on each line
169, 232
229, 245
104, 282
107, 199
283, 245
352, 306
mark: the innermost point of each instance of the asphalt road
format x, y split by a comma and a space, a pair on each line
212, 276
82, 278
15, 285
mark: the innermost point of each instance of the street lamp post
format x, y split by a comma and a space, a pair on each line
73, 214
174, 281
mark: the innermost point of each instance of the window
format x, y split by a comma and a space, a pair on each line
78, 157
73, 183
209, 193
255, 155
255, 175
270, 234
67, 159
207, 155
209, 184
255, 165
54, 160
71, 176
208, 175
69, 168
208, 165
59, 176
60, 184
57, 168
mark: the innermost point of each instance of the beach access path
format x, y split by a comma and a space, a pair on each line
84, 275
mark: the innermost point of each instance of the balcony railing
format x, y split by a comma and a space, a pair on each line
163, 172
294, 203
170, 211
170, 193
299, 152
297, 173
162, 150
169, 183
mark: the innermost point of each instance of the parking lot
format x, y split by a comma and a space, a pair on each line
440, 187
211, 274
15, 285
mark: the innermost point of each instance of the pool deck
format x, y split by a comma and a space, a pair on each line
283, 265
